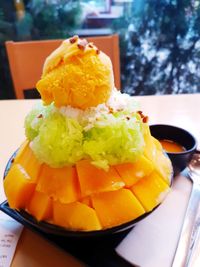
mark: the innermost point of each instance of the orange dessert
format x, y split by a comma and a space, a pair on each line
89, 161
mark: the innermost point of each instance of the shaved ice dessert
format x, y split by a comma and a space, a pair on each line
89, 161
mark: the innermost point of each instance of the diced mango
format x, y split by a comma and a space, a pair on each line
21, 151
163, 165
150, 190
157, 144
76, 216
26, 158
40, 206
154, 152
132, 172
59, 183
93, 180
116, 207
149, 147
18, 187
87, 201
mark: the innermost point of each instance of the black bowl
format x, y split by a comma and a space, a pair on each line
180, 136
27, 220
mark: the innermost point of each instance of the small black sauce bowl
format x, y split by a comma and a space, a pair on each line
180, 136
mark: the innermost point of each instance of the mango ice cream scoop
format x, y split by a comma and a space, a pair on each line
76, 74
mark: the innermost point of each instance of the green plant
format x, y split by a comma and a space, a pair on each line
161, 47
55, 20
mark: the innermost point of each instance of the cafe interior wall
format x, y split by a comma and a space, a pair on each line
159, 40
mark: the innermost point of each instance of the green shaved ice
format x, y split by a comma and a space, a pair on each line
34, 120
112, 143
31, 132
59, 138
59, 141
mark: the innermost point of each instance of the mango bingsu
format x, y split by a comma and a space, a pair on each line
89, 161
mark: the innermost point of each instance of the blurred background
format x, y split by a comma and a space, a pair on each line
159, 40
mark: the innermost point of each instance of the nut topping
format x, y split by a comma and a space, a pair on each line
145, 119
82, 44
40, 116
90, 45
74, 39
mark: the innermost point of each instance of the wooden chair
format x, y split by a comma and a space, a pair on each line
26, 60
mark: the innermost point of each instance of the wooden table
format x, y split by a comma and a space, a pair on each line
33, 250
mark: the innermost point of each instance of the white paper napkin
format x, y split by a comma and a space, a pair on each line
153, 241
10, 231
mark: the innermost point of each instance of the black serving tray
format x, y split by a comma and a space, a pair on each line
98, 252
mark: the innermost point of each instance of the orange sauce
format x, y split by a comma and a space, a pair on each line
172, 147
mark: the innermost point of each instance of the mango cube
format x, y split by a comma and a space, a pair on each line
40, 206
154, 152
150, 190
93, 180
76, 216
28, 161
59, 183
116, 207
18, 187
132, 172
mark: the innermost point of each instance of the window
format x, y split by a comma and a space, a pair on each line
159, 40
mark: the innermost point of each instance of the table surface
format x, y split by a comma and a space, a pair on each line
33, 250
